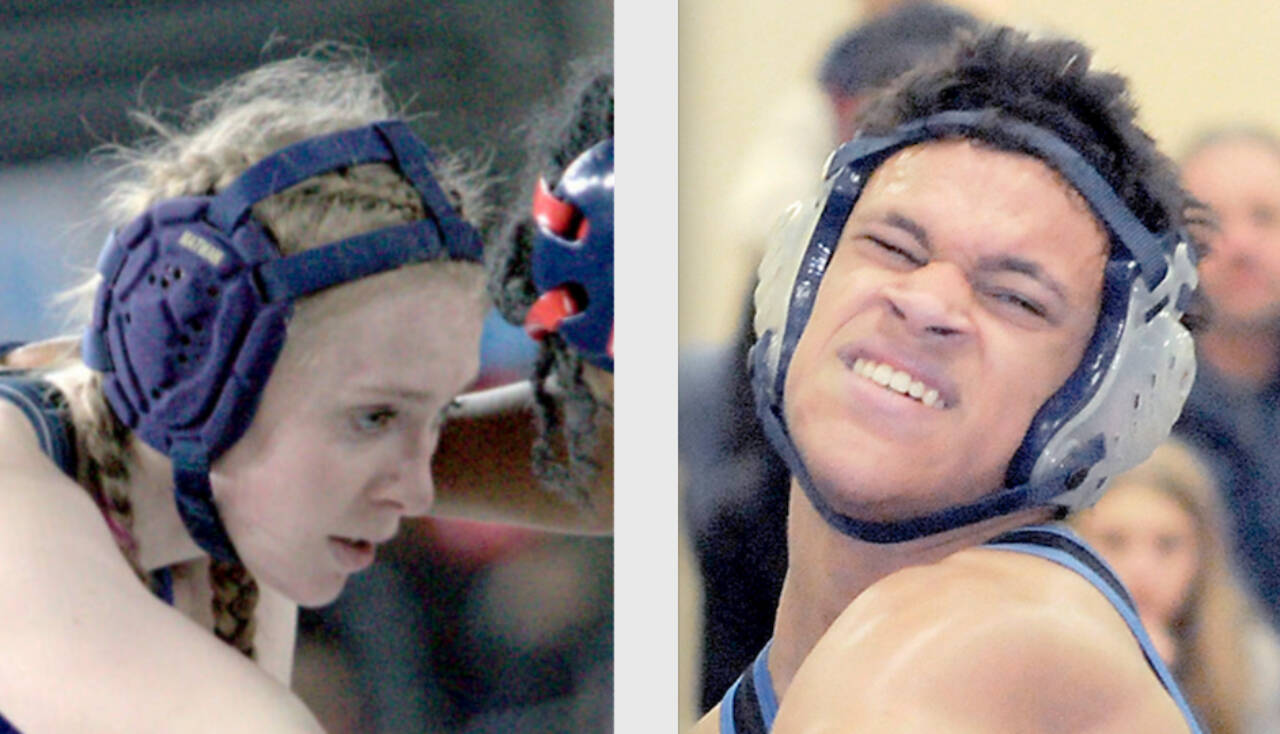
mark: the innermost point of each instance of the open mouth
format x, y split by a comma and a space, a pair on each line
353, 553
899, 381
360, 545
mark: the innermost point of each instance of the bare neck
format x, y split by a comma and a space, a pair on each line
1249, 357
827, 570
157, 528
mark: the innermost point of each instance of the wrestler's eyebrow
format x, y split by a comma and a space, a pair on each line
1029, 268
399, 393
910, 226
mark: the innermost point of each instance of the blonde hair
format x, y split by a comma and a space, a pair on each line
327, 89
1210, 627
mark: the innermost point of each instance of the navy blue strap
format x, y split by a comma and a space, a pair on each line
1145, 246
294, 164
194, 497
1060, 546
413, 160
390, 141
288, 278
750, 705
998, 503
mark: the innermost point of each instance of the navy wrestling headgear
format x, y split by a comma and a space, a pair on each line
573, 257
195, 298
1110, 413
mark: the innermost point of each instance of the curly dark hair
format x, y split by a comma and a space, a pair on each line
579, 118
1048, 83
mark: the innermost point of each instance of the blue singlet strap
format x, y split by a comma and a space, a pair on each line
1056, 544
751, 704
764, 686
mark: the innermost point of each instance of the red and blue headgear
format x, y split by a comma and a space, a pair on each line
195, 298
573, 257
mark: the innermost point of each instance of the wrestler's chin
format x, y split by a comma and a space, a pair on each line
887, 488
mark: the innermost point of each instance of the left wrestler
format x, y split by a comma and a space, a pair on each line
292, 300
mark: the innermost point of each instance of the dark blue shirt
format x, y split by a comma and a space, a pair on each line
1237, 431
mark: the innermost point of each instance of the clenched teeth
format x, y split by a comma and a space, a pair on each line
899, 381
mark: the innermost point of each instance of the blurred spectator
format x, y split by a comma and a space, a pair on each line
735, 501
868, 56
1160, 527
1233, 414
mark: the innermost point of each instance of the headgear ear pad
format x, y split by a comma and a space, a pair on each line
195, 300
573, 248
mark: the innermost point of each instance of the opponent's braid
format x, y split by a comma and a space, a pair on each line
560, 134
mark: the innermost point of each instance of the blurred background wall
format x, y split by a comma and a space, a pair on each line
461, 627
71, 69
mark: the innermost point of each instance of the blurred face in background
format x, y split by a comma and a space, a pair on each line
1240, 180
1150, 540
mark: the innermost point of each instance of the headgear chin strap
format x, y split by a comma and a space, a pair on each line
195, 299
573, 257
1110, 414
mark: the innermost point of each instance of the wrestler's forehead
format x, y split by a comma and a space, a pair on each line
978, 191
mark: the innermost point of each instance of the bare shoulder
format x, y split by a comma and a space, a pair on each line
86, 647
981, 641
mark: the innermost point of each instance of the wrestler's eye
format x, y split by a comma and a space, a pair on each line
1018, 301
374, 419
897, 252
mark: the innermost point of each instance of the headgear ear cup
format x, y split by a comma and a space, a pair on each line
572, 259
777, 274
195, 298
1141, 397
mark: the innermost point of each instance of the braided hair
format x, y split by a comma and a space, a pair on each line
582, 117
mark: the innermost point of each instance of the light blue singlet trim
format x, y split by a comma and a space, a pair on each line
726, 708
766, 696
1127, 613
764, 686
